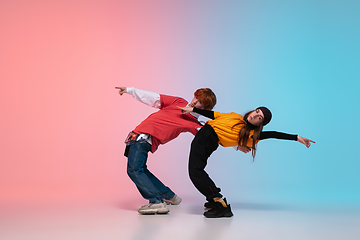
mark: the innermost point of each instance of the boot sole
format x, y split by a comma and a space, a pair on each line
220, 216
225, 214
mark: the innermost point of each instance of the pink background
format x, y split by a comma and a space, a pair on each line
63, 123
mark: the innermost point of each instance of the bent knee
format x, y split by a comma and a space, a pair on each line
130, 172
193, 171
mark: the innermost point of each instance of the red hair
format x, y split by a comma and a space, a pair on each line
207, 97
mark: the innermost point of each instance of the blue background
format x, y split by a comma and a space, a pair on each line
300, 59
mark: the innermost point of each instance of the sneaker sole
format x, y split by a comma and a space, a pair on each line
154, 211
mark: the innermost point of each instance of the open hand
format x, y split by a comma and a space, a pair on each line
122, 90
305, 141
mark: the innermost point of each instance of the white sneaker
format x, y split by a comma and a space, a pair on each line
153, 208
174, 201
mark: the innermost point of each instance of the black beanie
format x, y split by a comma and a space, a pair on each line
267, 115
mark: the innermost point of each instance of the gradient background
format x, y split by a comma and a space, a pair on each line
63, 124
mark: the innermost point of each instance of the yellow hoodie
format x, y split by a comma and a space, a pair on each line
228, 134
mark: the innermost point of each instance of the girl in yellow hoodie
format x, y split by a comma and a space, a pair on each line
228, 130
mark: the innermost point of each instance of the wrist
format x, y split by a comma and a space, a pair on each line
129, 90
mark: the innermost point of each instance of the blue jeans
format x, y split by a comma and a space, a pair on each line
148, 185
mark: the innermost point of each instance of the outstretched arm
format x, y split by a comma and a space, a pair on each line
285, 136
149, 98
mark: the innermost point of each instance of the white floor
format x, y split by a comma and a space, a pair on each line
185, 221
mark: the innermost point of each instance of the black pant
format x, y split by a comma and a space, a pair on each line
203, 145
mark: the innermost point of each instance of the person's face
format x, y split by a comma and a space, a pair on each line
256, 117
196, 103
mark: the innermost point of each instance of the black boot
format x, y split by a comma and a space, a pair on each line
219, 211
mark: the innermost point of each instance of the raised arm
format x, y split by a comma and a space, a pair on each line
149, 98
285, 136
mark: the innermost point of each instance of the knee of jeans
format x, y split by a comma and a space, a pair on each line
134, 171
130, 171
